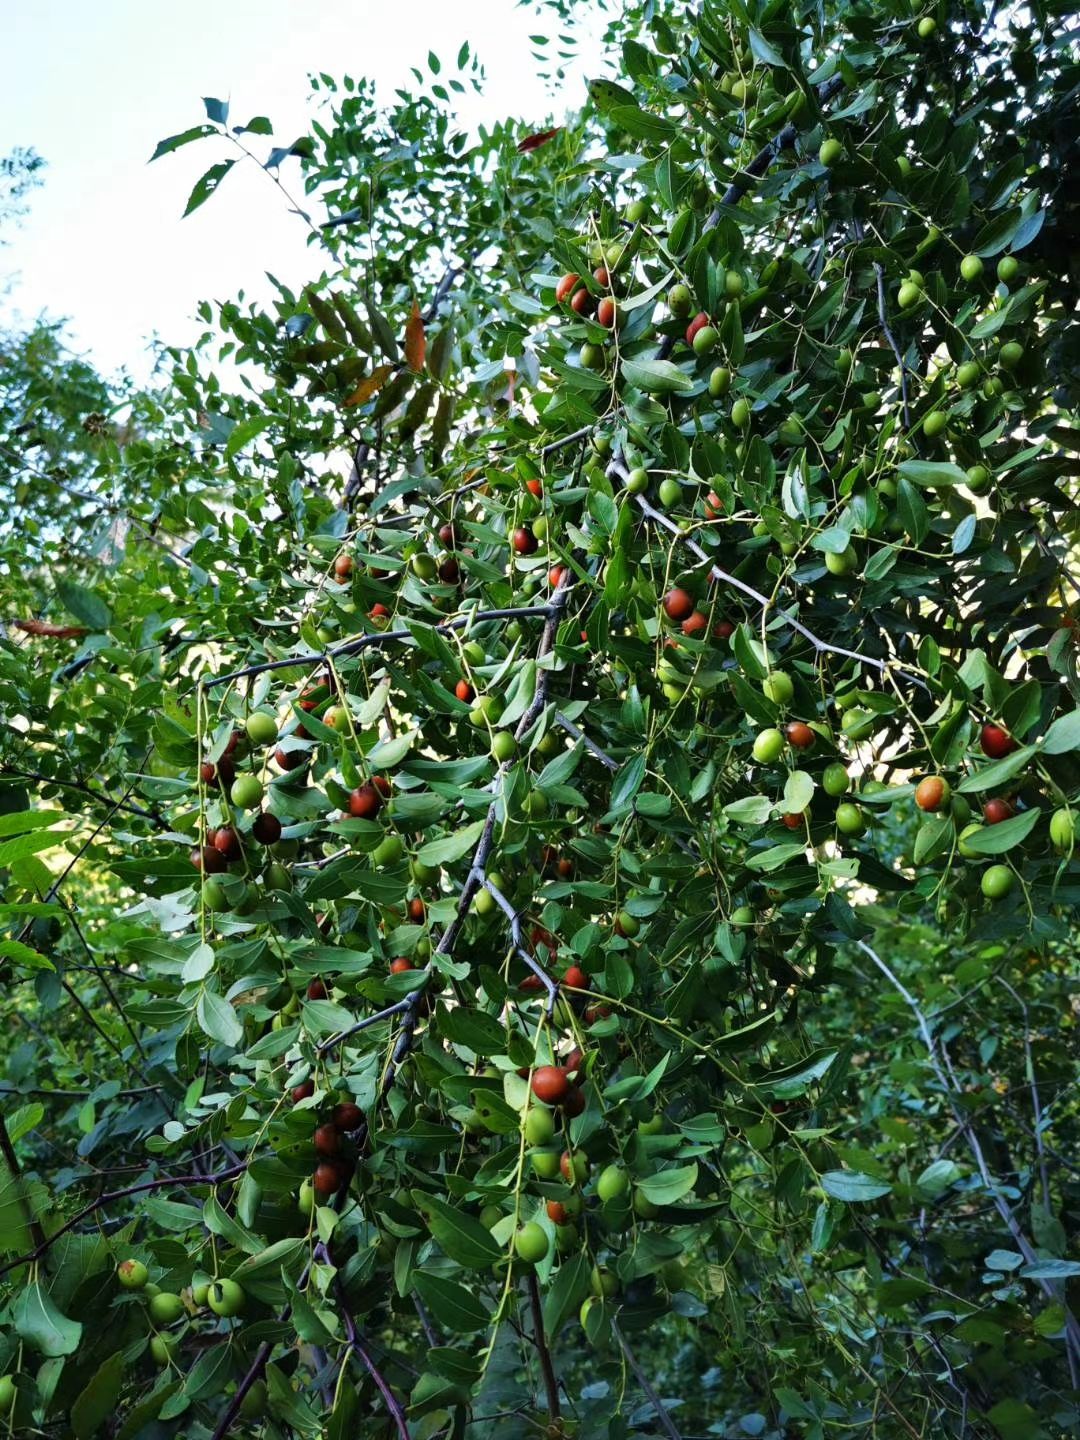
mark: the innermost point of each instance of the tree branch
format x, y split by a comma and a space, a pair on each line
7, 1149
666, 1423
551, 1385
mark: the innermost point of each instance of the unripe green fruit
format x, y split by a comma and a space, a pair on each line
908, 295
968, 374
733, 284
305, 1199
789, 432
971, 267
261, 727
423, 874
1008, 267
719, 382
844, 361
871, 401
962, 842
835, 781
132, 1274
503, 746
644, 1208
679, 301
740, 413
637, 480
830, 151
484, 902
539, 1126
579, 1169
200, 1292
162, 1348
545, 1163
706, 340
165, 1308
278, 878
388, 851
778, 687
927, 27
253, 1405
637, 211
612, 1182
246, 792
1064, 828
849, 819
859, 723
651, 1125
591, 357
226, 1298
903, 164
7, 1394
935, 423
537, 804
628, 924
768, 746
424, 566
490, 1216
993, 387
588, 1305
842, 564
473, 652
742, 915
604, 1282
996, 882
670, 492
1010, 354
214, 897
531, 1243
540, 527
978, 479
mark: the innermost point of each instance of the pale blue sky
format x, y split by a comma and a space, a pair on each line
92, 85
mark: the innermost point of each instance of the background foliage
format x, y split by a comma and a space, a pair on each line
422, 518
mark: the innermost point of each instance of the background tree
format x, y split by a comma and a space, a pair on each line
540, 882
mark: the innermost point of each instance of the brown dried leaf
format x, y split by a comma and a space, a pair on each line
49, 629
415, 339
370, 385
533, 142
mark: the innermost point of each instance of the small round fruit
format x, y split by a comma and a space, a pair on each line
742, 915
165, 1308
566, 287
200, 1293
963, 843
719, 382
7, 1394
637, 211
842, 564
226, 1298
849, 819
253, 1405
604, 1282
1064, 828
266, 828
734, 284
670, 492
132, 1274
348, 1116
627, 925
162, 1348
678, 604
607, 313
968, 374
971, 267
303, 1091
550, 1084
539, 1126
908, 295
246, 792
325, 1181
531, 1243
927, 27
524, 541
611, 1183
327, 1140
830, 151
932, 793
935, 423
637, 480
768, 746
591, 357
575, 978
799, 736
214, 896
740, 413
1008, 267
996, 882
574, 1168
978, 479
365, 802
582, 302
778, 687
261, 727
997, 810
343, 567
706, 340
1010, 354
834, 780
305, 1198
995, 742
679, 301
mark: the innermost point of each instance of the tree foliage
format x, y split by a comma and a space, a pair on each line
539, 774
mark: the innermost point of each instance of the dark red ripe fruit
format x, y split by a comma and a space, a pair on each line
447, 536
348, 1116
575, 978
316, 990
574, 1103
535, 487
694, 624
556, 1211
601, 276
365, 802
713, 506
724, 630
930, 793
233, 742
678, 604
524, 541
573, 1063
565, 288
417, 910
564, 868
997, 810
207, 772
996, 743
382, 785
303, 1091
343, 567
549, 1084
607, 312
326, 1179
327, 1140
267, 828
378, 611
449, 571
290, 759
227, 842
581, 302
566, 1165
699, 322
400, 965
464, 691
208, 859
531, 982
800, 736
597, 1012
793, 822
555, 576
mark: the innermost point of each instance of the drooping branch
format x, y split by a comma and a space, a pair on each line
519, 944
663, 1416
539, 1339
83, 789
590, 745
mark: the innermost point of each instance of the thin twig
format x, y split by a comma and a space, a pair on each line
7, 1149
551, 1385
666, 1423
335, 1040
519, 945
82, 789
590, 745
1036, 1103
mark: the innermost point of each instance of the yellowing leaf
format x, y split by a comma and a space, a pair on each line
370, 385
415, 339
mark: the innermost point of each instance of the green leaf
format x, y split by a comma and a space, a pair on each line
452, 847
452, 1305
207, 184
97, 1401
642, 125
998, 771
764, 51
655, 377
218, 1019
1063, 735
22, 845
669, 1186
564, 1295
1051, 1270
750, 810
798, 792
40, 1324
217, 111
174, 142
996, 839
24, 955
931, 472
607, 96
627, 783
853, 1187
460, 1236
